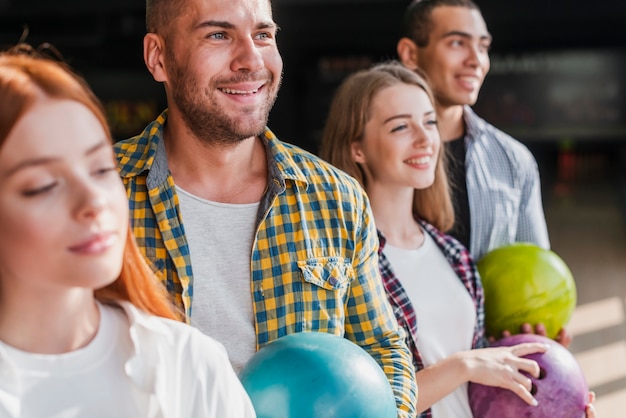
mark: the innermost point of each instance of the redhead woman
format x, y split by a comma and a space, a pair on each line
85, 330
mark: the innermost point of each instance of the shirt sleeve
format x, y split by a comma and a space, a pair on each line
215, 391
370, 321
532, 222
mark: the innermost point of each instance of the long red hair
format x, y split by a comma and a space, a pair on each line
23, 79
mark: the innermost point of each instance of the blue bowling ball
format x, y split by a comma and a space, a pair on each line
317, 375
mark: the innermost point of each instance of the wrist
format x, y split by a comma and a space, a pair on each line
461, 365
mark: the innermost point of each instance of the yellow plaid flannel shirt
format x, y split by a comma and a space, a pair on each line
314, 262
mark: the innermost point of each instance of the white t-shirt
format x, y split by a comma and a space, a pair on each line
220, 238
445, 312
137, 365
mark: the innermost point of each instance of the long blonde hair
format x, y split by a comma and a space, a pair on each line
350, 111
23, 78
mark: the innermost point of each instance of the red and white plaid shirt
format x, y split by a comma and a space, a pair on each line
463, 265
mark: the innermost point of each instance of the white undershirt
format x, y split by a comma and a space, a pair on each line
445, 312
220, 238
79, 383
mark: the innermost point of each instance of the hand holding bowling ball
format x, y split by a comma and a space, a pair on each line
504, 367
526, 284
560, 388
563, 337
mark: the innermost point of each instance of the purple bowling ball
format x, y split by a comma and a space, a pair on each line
561, 389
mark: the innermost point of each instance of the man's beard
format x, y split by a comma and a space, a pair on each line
208, 121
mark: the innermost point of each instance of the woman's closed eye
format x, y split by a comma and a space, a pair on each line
31, 192
104, 170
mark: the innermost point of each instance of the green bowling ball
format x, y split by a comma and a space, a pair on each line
524, 283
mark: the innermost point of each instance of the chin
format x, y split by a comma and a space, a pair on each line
98, 275
101, 284
422, 185
469, 100
245, 131
253, 123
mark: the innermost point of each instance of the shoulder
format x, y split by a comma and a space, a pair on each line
452, 249
136, 154
442, 239
491, 143
174, 339
189, 372
310, 168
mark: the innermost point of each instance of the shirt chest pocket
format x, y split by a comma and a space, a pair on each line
325, 291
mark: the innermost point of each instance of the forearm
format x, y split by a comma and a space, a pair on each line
370, 323
370, 320
391, 353
439, 380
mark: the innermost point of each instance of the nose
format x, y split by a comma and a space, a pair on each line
477, 56
89, 201
421, 137
247, 57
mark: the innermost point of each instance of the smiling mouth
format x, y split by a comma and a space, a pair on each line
240, 92
472, 82
422, 160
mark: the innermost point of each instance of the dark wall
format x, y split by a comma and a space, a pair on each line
321, 41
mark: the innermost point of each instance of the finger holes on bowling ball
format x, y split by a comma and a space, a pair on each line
533, 389
542, 373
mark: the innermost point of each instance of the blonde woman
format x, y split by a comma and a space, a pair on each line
382, 129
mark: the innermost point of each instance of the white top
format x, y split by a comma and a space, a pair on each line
445, 312
137, 365
220, 237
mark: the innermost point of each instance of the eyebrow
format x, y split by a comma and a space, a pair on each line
227, 25
405, 116
465, 35
33, 162
215, 23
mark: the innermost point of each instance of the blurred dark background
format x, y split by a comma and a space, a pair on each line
549, 58
557, 79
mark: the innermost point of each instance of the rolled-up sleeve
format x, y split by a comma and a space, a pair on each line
370, 321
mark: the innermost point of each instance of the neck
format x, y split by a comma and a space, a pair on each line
234, 173
450, 122
393, 214
48, 321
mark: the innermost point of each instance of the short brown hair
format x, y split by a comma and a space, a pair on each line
417, 23
160, 13
349, 113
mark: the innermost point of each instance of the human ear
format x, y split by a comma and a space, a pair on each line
153, 56
407, 52
357, 152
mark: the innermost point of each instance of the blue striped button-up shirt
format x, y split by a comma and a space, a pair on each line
503, 188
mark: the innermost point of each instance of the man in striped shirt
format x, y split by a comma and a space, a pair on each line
495, 179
